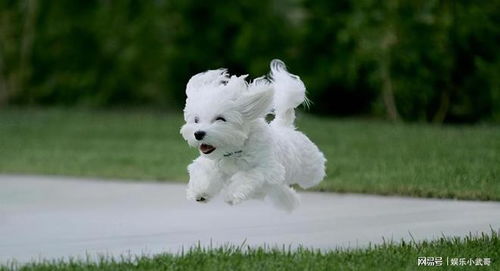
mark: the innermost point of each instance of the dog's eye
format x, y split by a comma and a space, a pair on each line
220, 118
196, 119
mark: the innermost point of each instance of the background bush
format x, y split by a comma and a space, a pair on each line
411, 60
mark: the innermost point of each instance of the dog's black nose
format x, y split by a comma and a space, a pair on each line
199, 135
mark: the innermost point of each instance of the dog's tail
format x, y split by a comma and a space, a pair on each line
289, 92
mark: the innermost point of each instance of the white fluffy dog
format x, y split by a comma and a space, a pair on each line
240, 153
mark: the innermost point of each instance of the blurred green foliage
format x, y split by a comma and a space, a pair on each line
434, 60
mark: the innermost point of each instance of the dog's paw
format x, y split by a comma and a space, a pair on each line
234, 198
199, 197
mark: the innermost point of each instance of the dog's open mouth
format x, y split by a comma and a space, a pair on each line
206, 149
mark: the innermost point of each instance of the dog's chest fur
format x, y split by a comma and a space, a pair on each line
230, 165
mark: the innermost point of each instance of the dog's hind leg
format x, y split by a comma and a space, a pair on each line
284, 197
244, 185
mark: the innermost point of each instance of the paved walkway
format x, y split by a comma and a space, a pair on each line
53, 217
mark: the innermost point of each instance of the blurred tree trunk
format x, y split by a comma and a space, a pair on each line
387, 90
27, 38
443, 107
3, 82
3, 75
387, 43
14, 76
449, 10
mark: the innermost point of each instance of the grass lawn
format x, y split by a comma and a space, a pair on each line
402, 256
363, 156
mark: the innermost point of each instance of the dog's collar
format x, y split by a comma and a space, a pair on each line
231, 153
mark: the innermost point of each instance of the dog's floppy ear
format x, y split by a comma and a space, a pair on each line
203, 79
256, 104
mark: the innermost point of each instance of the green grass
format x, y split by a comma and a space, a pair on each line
363, 156
389, 256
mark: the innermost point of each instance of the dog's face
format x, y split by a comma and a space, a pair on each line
219, 110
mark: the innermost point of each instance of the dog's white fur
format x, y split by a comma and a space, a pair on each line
252, 158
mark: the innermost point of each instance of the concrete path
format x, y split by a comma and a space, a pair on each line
54, 217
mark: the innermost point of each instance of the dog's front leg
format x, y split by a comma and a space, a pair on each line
205, 181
